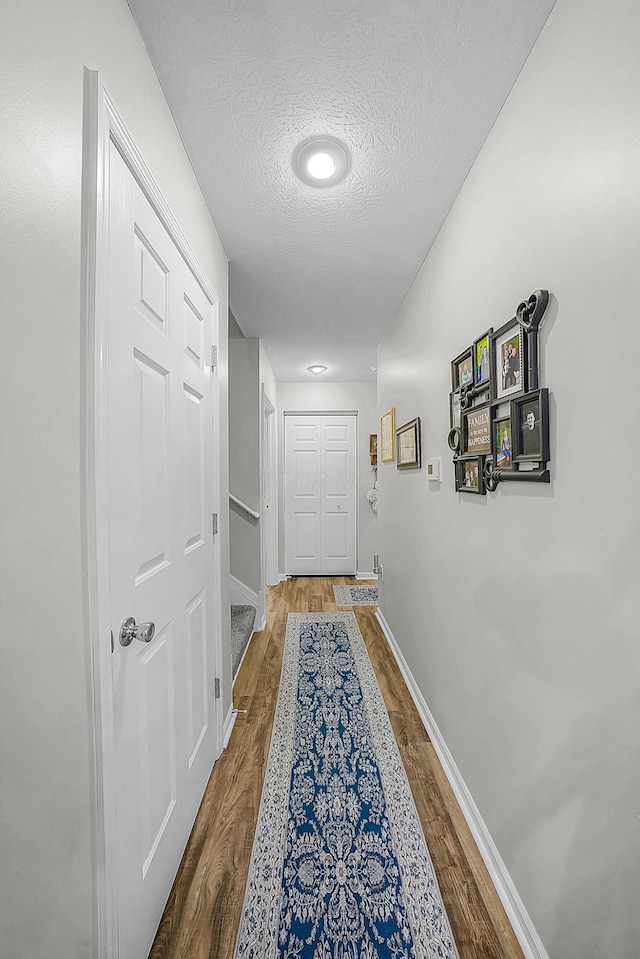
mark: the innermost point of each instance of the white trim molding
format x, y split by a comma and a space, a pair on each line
229, 723
361, 575
261, 616
523, 927
241, 594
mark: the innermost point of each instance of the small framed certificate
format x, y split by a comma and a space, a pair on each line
388, 436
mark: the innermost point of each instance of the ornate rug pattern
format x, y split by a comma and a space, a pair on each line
356, 595
340, 868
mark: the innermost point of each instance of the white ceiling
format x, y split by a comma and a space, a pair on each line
411, 86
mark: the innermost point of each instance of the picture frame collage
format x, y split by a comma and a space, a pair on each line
498, 413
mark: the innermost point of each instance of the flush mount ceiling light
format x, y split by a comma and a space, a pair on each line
317, 369
321, 161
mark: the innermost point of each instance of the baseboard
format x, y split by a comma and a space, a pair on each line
227, 729
360, 575
523, 927
282, 577
241, 594
261, 613
233, 681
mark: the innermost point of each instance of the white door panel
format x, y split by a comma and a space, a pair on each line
162, 563
320, 497
337, 536
306, 539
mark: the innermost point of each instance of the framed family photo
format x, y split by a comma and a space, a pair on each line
408, 445
508, 360
530, 423
388, 436
470, 475
482, 359
462, 370
502, 439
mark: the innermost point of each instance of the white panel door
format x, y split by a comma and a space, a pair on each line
320, 499
166, 721
303, 494
338, 512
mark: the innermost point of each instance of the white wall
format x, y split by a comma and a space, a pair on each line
517, 612
244, 459
267, 378
327, 397
47, 894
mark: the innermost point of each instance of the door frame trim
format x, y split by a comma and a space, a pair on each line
320, 413
268, 484
103, 125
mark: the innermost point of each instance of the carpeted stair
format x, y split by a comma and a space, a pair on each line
242, 620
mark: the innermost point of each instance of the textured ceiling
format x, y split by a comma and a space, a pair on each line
411, 86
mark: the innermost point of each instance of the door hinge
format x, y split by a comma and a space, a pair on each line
216, 688
214, 523
214, 357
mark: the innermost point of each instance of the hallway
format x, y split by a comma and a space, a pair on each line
203, 911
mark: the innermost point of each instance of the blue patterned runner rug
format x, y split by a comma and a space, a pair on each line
356, 595
340, 868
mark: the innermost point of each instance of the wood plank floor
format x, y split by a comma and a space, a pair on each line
202, 914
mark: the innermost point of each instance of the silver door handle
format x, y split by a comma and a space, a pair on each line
129, 631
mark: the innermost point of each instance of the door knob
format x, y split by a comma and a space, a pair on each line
129, 631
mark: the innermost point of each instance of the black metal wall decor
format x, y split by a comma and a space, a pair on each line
498, 413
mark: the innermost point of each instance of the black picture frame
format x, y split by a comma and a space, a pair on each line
502, 440
408, 443
455, 411
461, 379
530, 427
508, 370
470, 466
475, 435
482, 367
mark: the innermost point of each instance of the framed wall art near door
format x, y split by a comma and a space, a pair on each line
388, 436
408, 445
373, 448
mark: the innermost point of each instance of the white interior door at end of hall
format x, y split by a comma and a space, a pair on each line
165, 717
320, 513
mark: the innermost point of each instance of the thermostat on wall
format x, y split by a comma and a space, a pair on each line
434, 468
